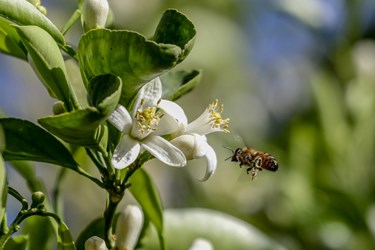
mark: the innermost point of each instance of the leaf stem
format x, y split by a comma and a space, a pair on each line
71, 21
18, 197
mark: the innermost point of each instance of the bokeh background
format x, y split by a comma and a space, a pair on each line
297, 79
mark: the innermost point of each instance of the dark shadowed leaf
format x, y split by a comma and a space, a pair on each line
179, 83
105, 93
26, 141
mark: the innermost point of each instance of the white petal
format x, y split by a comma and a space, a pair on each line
164, 151
121, 119
200, 146
211, 162
150, 93
95, 243
126, 152
174, 110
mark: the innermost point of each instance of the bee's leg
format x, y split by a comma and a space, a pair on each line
248, 170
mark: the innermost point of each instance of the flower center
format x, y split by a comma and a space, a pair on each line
215, 116
148, 118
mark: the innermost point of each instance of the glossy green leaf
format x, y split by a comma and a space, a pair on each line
3, 189
64, 239
26, 141
22, 12
41, 232
183, 226
175, 28
10, 42
144, 191
96, 227
105, 92
47, 61
81, 127
179, 83
19, 242
132, 57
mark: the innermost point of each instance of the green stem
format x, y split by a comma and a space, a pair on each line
71, 21
108, 218
57, 199
18, 197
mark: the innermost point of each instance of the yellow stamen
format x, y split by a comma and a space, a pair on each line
215, 118
147, 119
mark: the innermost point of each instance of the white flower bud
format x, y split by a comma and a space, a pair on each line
201, 244
94, 14
128, 227
95, 243
192, 145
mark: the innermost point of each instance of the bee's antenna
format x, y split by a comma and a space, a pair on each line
230, 150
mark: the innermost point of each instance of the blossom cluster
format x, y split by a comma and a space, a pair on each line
153, 119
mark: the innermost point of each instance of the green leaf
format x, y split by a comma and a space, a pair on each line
175, 28
81, 127
183, 226
48, 63
22, 12
19, 242
3, 189
96, 227
10, 42
27, 141
144, 191
64, 239
131, 56
105, 92
41, 232
179, 83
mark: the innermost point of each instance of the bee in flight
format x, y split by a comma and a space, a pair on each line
254, 160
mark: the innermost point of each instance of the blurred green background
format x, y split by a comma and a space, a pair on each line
297, 79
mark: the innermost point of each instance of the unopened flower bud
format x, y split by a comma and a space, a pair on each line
192, 145
94, 14
37, 199
58, 108
201, 244
95, 243
128, 228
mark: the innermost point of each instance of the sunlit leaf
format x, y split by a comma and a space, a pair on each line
105, 92
64, 239
10, 42
24, 13
144, 191
48, 63
27, 141
81, 127
223, 231
19, 242
132, 57
179, 83
96, 227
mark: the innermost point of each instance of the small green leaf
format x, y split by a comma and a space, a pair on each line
183, 226
105, 92
22, 12
64, 239
47, 61
132, 57
175, 28
10, 42
144, 191
179, 83
96, 227
19, 242
3, 189
82, 127
26, 141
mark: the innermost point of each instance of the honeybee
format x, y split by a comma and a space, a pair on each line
255, 160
